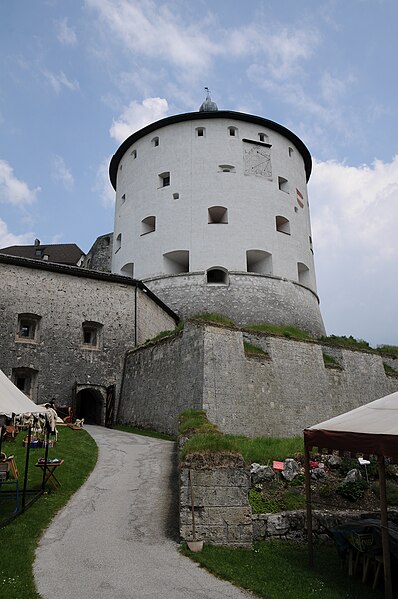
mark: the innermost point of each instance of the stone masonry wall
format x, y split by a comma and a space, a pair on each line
64, 298
278, 394
221, 506
161, 381
248, 298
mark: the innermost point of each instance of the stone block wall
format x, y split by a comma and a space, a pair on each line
278, 394
64, 298
222, 512
162, 380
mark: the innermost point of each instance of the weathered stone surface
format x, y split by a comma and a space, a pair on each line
353, 476
222, 511
63, 298
260, 474
334, 461
291, 469
317, 473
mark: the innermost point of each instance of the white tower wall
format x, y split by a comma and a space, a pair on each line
254, 183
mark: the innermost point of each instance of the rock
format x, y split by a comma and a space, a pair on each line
291, 469
334, 461
317, 473
353, 476
260, 474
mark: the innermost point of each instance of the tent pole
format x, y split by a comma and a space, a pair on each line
25, 480
309, 506
384, 529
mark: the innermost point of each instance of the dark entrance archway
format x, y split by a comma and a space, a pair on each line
90, 406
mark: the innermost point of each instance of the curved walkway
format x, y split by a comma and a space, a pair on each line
113, 541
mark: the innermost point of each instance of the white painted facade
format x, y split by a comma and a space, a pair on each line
217, 190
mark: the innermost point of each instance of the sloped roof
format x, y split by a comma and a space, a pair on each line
13, 401
369, 429
60, 253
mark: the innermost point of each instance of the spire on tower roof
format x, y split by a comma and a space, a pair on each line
208, 105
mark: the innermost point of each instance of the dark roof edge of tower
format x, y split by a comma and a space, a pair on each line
221, 114
77, 271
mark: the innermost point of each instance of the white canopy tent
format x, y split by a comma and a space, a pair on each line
14, 402
371, 429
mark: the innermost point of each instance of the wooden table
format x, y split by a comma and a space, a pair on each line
49, 468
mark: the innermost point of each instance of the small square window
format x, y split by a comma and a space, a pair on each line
164, 179
91, 334
28, 326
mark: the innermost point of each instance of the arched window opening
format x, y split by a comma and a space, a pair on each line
259, 261
148, 225
118, 242
92, 334
226, 168
217, 276
128, 270
217, 215
282, 225
263, 137
233, 131
155, 142
283, 184
303, 273
123, 198
291, 152
134, 154
200, 132
176, 262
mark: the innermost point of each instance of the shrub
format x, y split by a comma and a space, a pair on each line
352, 490
388, 350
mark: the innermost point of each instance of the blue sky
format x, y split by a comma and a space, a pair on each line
77, 77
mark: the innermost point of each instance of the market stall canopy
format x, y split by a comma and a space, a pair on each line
14, 402
371, 429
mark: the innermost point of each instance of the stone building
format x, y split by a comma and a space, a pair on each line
212, 214
65, 331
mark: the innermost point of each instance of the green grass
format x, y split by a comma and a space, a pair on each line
279, 570
388, 350
330, 361
126, 428
254, 350
286, 331
18, 539
213, 317
264, 450
390, 371
346, 342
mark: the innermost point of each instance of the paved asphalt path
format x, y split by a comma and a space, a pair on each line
116, 538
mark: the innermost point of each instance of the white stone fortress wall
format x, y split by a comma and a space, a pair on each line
212, 213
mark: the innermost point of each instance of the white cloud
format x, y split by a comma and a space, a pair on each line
60, 80
7, 238
103, 185
62, 174
65, 34
13, 190
355, 223
155, 31
137, 115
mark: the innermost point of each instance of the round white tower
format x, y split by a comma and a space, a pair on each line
212, 214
